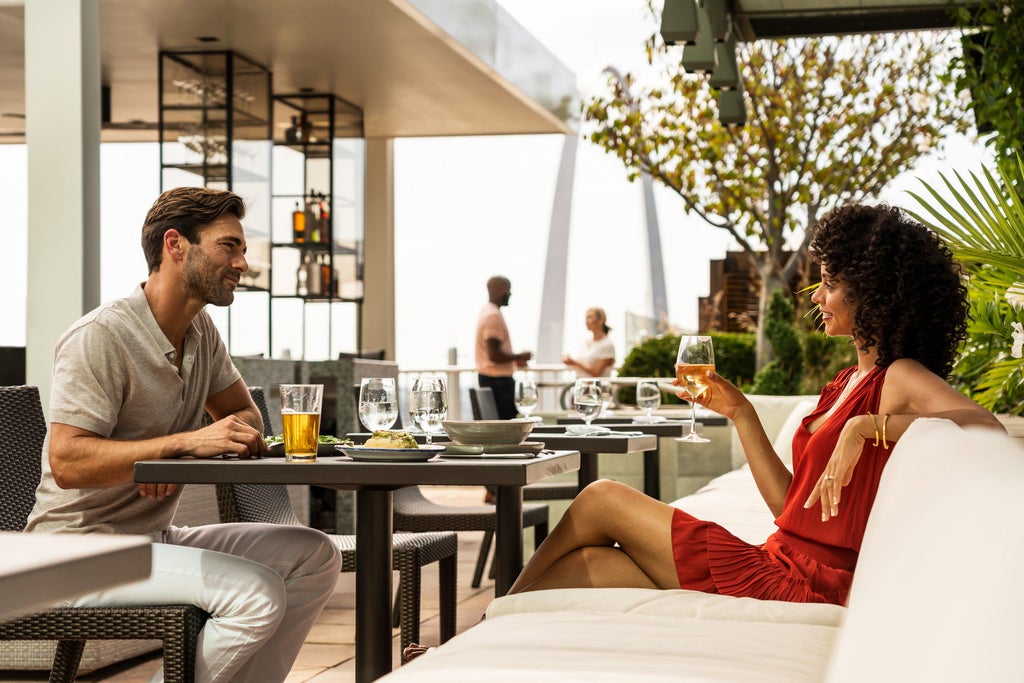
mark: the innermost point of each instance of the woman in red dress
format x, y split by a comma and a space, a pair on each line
892, 286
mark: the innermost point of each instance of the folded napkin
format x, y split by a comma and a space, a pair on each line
596, 430
644, 419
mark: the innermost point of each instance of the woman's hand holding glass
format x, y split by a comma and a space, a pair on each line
428, 404
696, 358
378, 403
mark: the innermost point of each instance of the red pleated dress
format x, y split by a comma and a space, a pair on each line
805, 560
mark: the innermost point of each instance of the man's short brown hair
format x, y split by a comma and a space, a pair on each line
187, 210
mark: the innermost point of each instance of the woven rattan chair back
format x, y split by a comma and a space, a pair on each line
22, 432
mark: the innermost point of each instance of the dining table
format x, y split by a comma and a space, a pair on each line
374, 483
38, 570
619, 439
661, 428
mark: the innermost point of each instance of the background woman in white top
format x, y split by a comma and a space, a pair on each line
597, 356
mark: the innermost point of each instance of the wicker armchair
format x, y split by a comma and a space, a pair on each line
269, 503
22, 431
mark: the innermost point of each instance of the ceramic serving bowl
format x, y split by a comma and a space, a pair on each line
487, 432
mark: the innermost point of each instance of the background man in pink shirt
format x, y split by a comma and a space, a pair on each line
495, 361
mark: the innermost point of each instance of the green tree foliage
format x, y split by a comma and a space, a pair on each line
982, 219
829, 121
783, 375
991, 71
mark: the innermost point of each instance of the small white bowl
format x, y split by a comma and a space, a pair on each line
488, 432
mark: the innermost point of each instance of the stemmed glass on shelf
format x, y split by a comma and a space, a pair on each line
696, 357
428, 405
586, 397
526, 397
648, 398
378, 403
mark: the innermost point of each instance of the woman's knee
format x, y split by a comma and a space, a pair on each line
604, 493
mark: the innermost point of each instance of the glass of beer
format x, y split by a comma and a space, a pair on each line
696, 357
300, 414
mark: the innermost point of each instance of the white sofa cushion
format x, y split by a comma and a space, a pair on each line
614, 648
936, 596
666, 603
783, 442
773, 411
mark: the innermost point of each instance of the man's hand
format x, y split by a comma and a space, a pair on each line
229, 435
157, 491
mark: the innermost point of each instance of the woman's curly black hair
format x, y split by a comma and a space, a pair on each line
907, 293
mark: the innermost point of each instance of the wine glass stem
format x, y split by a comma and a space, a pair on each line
428, 436
693, 417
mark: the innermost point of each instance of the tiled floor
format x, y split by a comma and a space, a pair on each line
328, 656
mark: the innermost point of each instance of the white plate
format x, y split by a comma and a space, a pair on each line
527, 449
421, 454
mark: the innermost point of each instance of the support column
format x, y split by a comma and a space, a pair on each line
62, 132
379, 276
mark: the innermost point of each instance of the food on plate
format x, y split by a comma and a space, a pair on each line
383, 438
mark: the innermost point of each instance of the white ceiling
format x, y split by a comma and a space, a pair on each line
410, 77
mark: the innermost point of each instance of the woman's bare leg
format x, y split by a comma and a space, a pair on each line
579, 552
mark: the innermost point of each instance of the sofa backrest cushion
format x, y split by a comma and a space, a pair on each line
774, 412
783, 442
937, 594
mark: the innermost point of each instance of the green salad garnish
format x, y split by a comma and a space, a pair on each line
324, 438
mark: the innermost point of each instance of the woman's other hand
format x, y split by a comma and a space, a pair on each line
828, 491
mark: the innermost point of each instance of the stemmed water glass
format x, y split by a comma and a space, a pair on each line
648, 398
378, 403
586, 396
696, 357
526, 397
428, 405
607, 393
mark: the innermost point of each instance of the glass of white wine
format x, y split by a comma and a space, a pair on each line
695, 359
428, 404
648, 398
586, 397
526, 396
378, 403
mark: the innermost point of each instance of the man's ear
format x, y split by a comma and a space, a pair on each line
174, 244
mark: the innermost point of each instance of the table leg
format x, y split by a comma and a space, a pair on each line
652, 472
374, 509
588, 469
508, 544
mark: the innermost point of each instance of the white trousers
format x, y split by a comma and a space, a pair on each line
264, 586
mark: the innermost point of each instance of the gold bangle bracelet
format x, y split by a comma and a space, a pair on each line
875, 423
885, 444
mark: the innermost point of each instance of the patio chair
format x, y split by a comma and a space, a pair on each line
269, 503
22, 431
484, 408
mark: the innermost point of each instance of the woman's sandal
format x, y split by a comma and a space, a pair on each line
414, 650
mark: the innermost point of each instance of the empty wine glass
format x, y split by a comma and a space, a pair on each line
586, 396
526, 397
378, 403
695, 359
607, 393
428, 406
648, 398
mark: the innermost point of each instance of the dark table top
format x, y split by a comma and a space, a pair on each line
341, 472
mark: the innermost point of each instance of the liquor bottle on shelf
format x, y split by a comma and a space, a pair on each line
323, 221
311, 217
293, 133
313, 277
326, 281
298, 225
302, 276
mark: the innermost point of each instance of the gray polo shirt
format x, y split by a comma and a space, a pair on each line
114, 375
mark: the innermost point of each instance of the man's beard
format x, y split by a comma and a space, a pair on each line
504, 299
204, 280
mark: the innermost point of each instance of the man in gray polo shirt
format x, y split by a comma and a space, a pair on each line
131, 381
